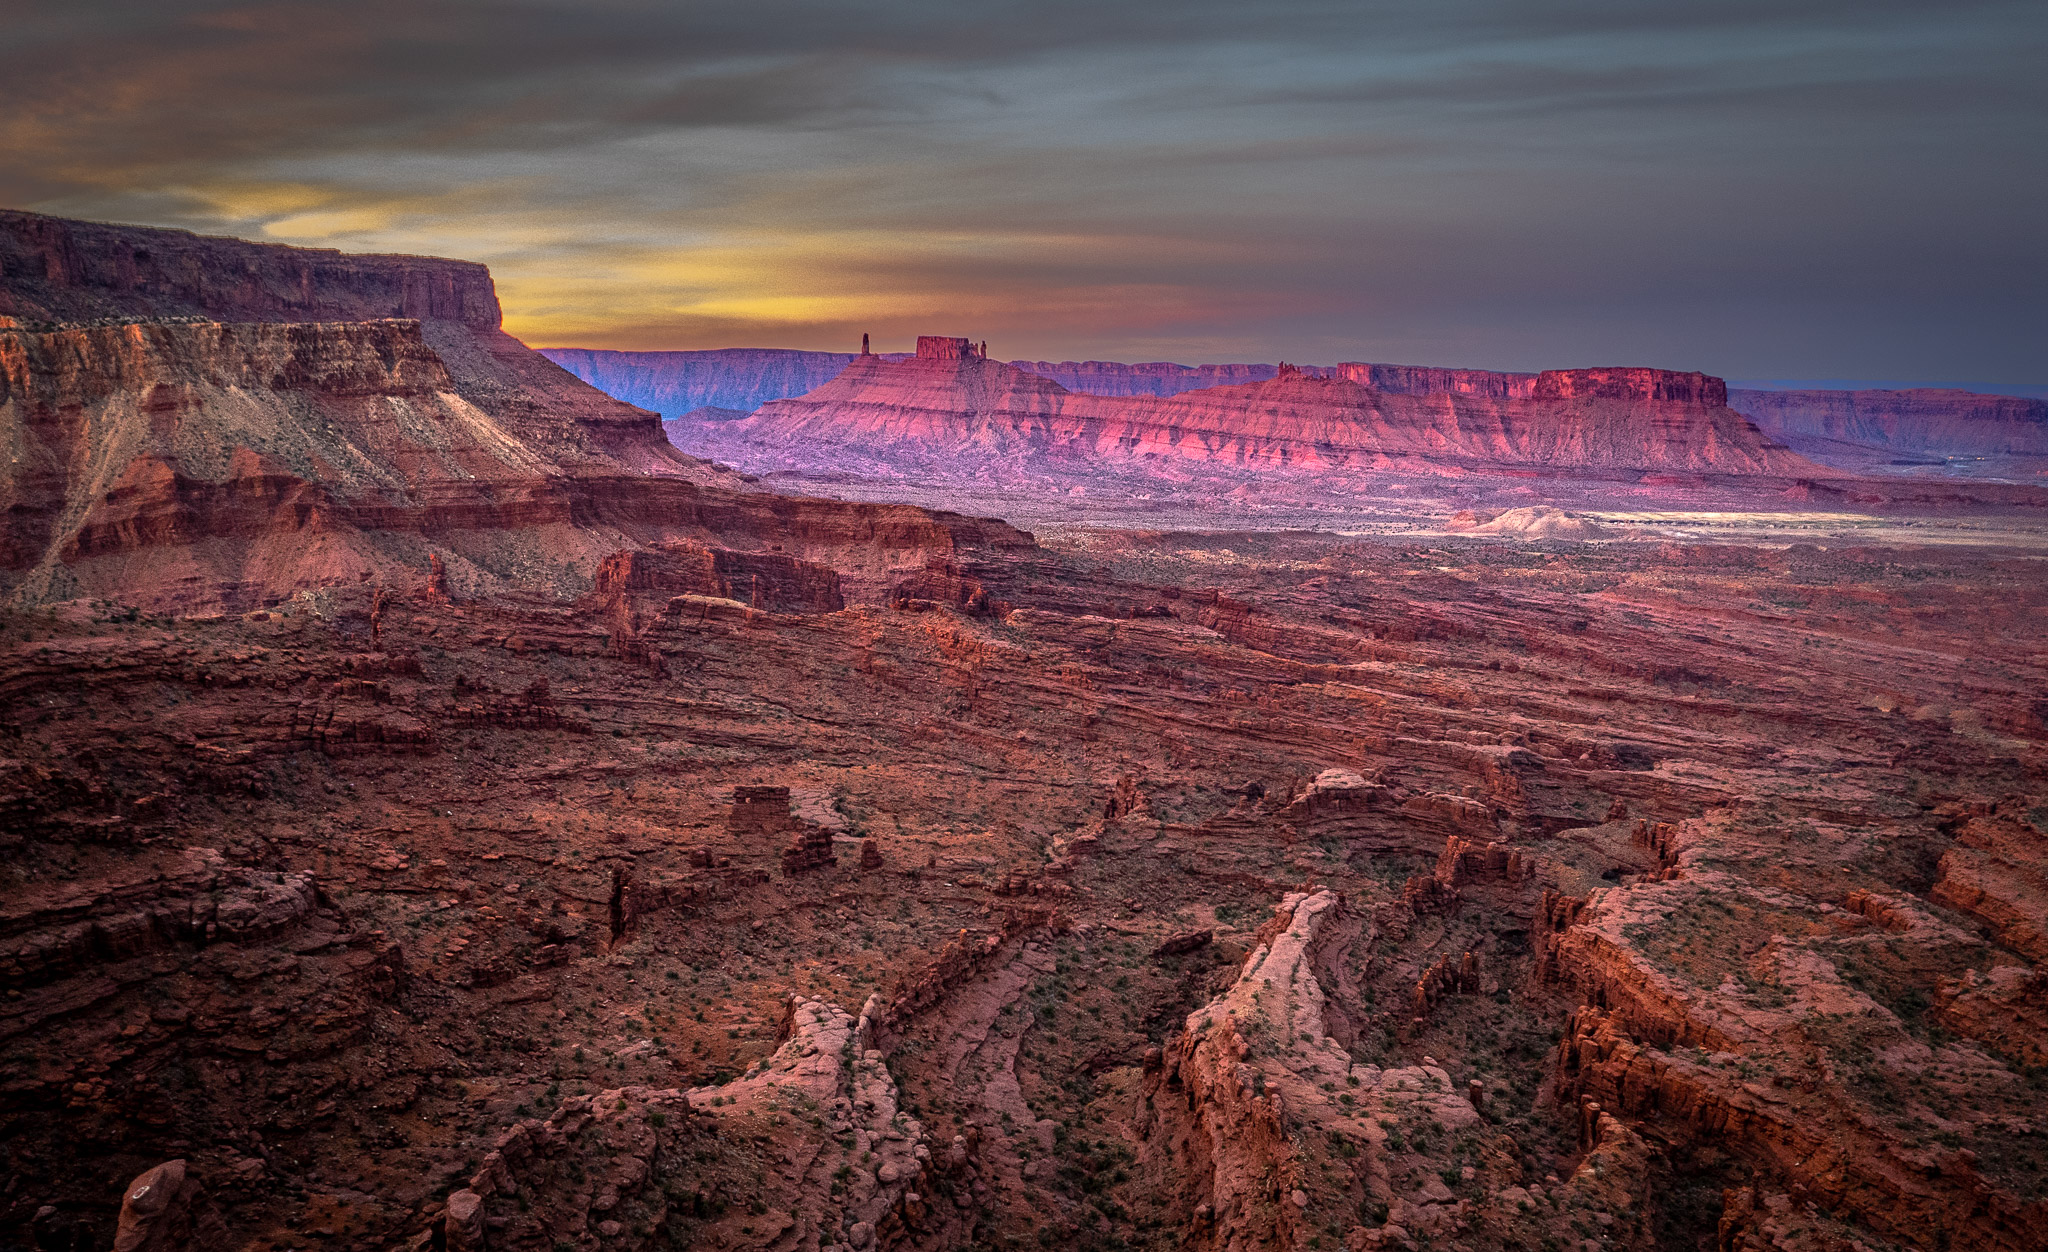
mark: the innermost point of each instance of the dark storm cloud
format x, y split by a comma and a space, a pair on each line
1750, 188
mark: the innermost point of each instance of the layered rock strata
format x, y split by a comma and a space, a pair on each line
931, 414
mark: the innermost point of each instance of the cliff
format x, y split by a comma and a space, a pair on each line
175, 439
1427, 380
54, 269
1146, 378
58, 274
1856, 430
994, 420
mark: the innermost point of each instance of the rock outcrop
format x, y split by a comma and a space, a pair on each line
1428, 380
973, 416
166, 1210
1146, 378
763, 580
206, 423
1256, 1097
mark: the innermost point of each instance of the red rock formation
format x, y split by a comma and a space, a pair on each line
1462, 863
1630, 383
226, 458
945, 348
1450, 975
1425, 380
1840, 1167
1995, 872
763, 580
975, 416
1149, 378
166, 1210
545, 987
59, 270
764, 816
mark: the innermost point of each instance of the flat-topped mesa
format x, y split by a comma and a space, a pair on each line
949, 348
1147, 378
1634, 383
951, 410
1430, 380
57, 270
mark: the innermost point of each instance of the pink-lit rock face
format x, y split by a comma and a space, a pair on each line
1631, 384
1146, 378
1001, 418
1861, 431
944, 348
1425, 380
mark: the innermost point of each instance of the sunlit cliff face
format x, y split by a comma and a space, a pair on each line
1812, 189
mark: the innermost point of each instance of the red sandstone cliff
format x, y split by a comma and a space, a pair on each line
178, 439
1857, 430
1145, 378
988, 419
60, 270
1428, 380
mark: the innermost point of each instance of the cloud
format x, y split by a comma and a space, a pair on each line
1783, 188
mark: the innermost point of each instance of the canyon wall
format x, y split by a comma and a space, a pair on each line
994, 420
54, 269
209, 424
1426, 380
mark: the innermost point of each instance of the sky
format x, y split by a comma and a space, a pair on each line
1779, 189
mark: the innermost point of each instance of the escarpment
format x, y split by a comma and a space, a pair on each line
983, 419
208, 423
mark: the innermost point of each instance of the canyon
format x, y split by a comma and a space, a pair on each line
440, 814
